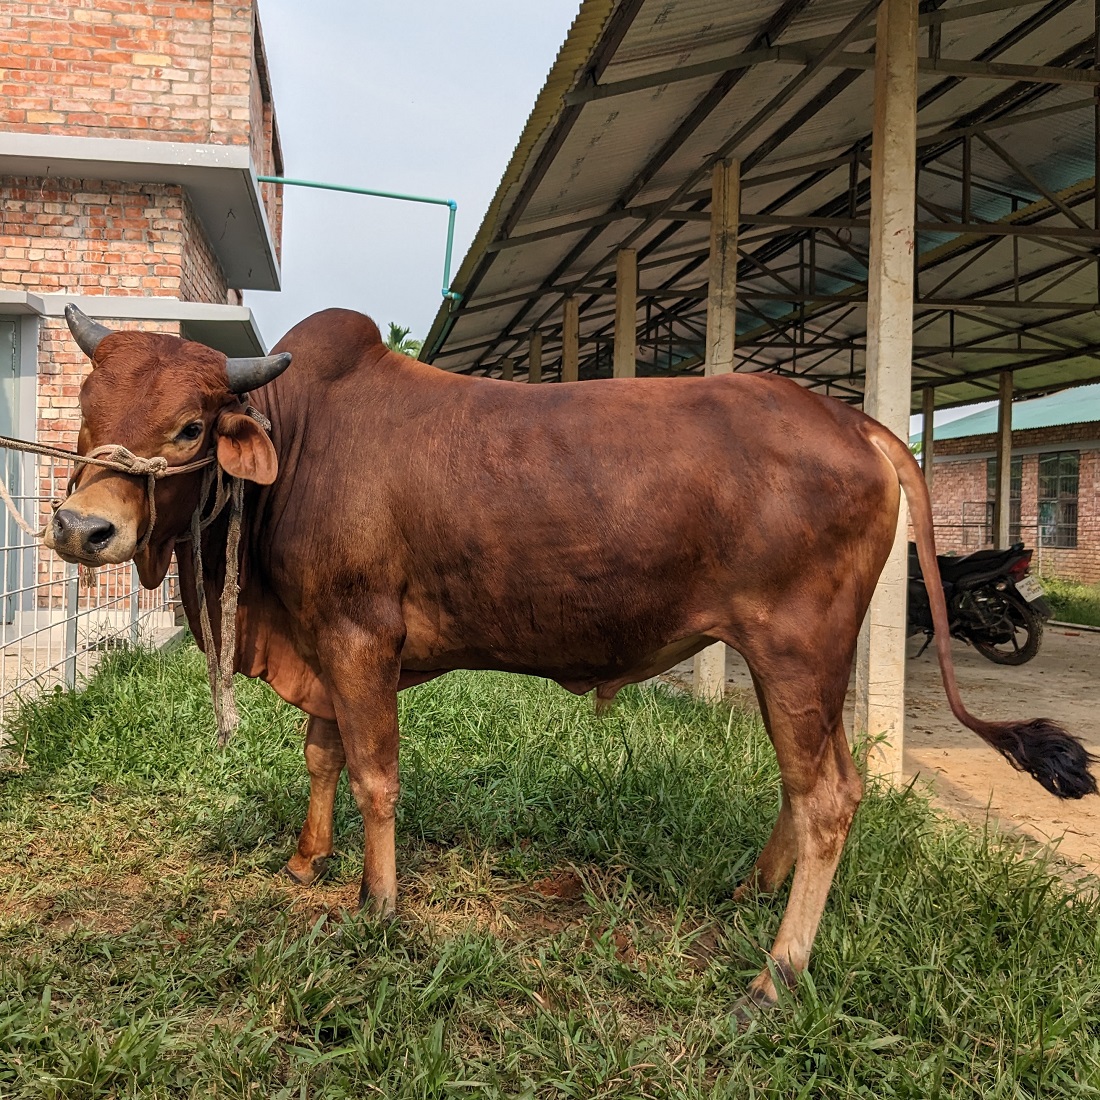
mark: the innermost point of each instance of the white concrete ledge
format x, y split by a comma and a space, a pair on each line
219, 179
230, 329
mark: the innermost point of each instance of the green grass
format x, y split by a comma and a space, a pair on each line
1073, 602
149, 946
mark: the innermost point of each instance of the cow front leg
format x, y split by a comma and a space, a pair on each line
324, 753
363, 672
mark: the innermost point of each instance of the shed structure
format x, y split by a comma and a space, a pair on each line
916, 222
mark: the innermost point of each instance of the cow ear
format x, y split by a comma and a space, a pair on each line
244, 449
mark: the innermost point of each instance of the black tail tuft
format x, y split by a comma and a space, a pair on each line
1047, 752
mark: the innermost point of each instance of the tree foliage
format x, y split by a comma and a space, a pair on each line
399, 340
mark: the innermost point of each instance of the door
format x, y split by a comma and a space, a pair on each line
11, 465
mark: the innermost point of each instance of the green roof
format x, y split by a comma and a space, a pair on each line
1073, 406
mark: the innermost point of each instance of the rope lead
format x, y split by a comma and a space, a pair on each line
219, 663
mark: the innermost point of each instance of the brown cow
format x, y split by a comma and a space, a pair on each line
404, 522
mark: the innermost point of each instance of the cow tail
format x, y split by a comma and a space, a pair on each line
1040, 747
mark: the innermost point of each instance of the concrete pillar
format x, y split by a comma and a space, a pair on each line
1002, 497
507, 369
709, 672
570, 340
626, 313
880, 666
928, 434
534, 358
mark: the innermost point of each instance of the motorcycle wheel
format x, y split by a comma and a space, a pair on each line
1027, 636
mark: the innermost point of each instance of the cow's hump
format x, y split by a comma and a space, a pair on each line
328, 344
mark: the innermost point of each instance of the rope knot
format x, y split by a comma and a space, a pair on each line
129, 463
155, 466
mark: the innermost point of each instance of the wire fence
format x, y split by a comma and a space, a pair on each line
55, 624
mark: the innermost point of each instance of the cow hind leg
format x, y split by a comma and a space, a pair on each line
822, 789
776, 858
324, 754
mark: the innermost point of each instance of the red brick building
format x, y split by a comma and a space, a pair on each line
1055, 500
131, 136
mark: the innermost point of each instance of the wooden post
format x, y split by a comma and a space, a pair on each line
725, 211
880, 667
928, 434
507, 369
626, 313
709, 671
534, 358
1002, 496
570, 340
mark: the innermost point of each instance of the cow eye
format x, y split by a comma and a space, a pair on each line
190, 432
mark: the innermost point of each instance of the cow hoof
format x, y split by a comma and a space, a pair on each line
380, 908
761, 995
305, 872
752, 1005
755, 887
746, 891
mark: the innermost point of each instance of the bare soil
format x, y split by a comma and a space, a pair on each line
966, 776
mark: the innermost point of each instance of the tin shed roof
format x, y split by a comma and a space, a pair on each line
1076, 406
645, 95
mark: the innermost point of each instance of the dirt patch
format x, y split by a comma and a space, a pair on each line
967, 777
566, 885
703, 948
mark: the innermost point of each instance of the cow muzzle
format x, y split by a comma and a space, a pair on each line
88, 538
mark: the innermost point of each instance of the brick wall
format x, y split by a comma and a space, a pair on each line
97, 237
151, 69
958, 504
959, 490
1030, 437
267, 151
102, 237
136, 69
201, 276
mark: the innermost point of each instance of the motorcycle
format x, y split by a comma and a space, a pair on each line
993, 603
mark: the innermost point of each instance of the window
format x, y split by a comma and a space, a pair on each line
1016, 484
1058, 499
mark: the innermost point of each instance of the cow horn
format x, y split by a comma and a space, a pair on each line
250, 374
86, 332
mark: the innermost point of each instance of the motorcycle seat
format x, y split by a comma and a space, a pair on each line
953, 569
981, 561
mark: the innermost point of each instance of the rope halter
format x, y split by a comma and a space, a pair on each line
112, 456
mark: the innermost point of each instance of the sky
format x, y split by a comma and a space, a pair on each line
423, 97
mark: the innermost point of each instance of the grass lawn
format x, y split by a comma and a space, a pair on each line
565, 927
1073, 602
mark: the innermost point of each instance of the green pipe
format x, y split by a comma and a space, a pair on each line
452, 296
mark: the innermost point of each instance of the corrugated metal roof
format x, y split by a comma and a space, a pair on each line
1076, 406
586, 172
